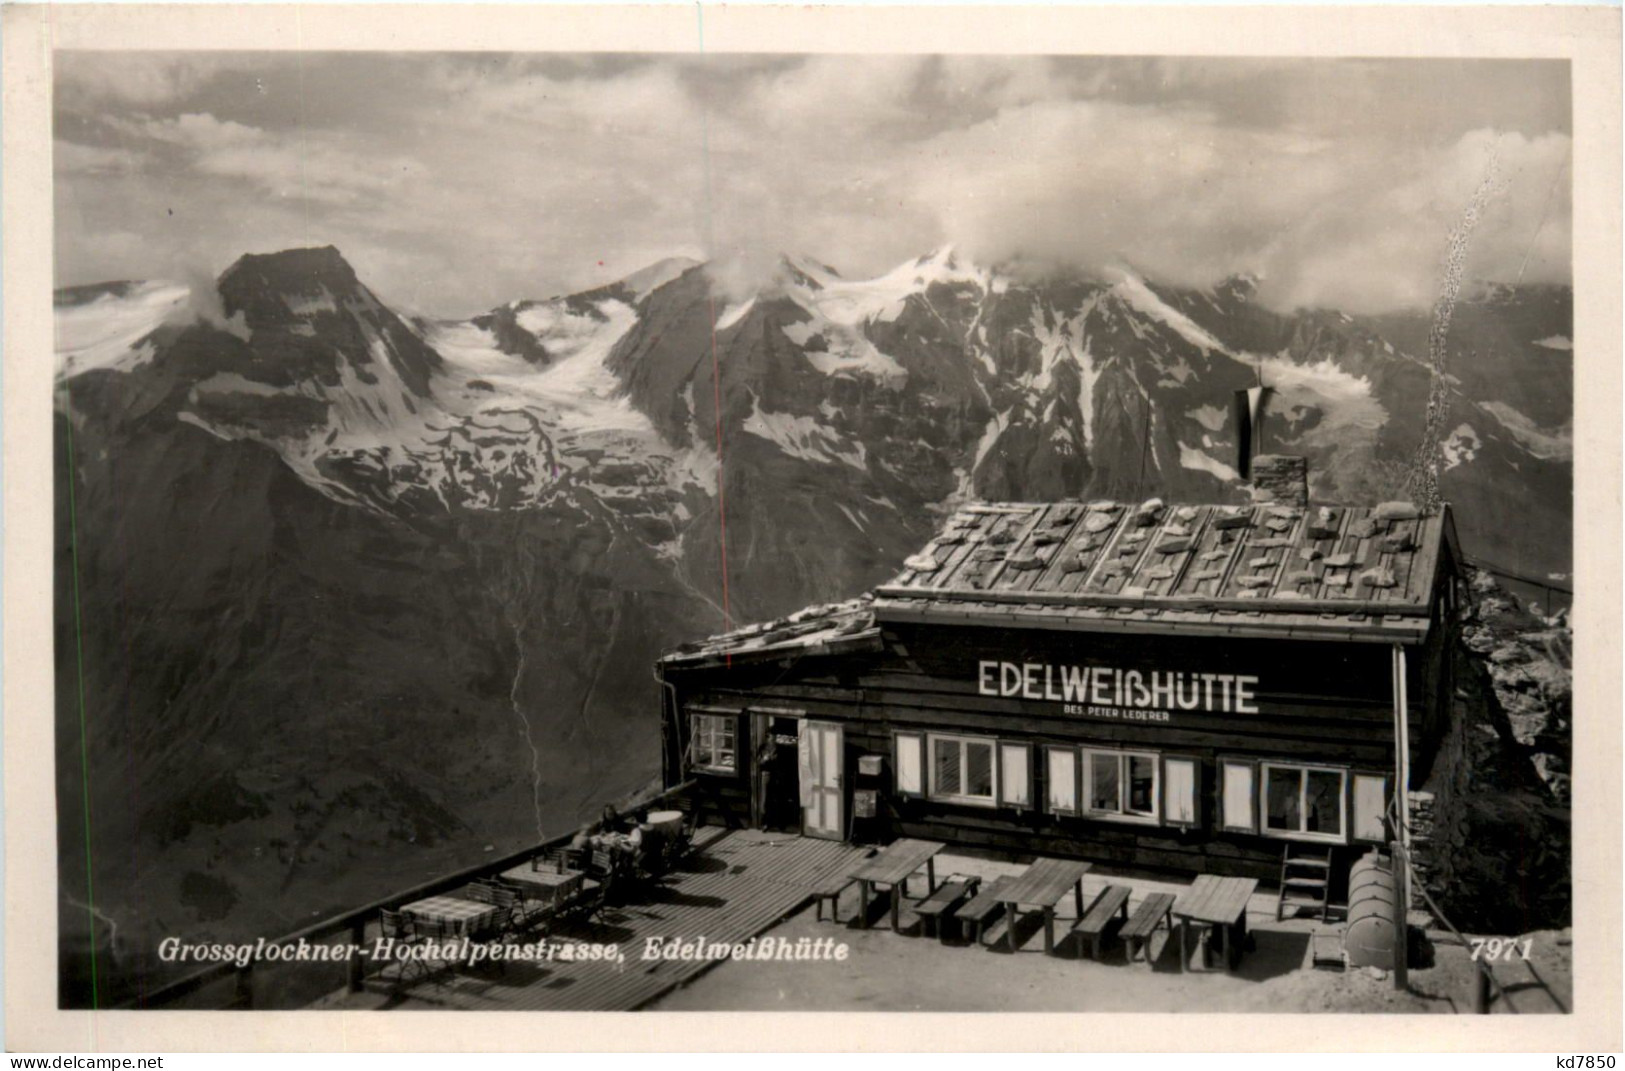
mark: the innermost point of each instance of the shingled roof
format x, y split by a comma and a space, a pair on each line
825, 629
1336, 571
1321, 572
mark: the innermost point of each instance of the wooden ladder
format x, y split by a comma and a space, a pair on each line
1306, 880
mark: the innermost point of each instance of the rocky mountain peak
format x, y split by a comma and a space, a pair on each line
1240, 287
268, 288
70, 296
658, 274
802, 270
947, 256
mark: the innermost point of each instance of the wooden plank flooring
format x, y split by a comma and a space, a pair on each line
735, 886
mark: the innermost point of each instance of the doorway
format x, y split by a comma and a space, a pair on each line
778, 805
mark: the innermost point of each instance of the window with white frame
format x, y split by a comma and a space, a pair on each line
714, 744
1303, 802
962, 769
1121, 785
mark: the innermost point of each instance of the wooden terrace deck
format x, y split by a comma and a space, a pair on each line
734, 886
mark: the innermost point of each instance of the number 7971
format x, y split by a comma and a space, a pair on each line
1507, 948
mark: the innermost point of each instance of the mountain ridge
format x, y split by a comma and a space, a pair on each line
384, 590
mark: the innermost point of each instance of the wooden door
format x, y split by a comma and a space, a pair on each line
821, 750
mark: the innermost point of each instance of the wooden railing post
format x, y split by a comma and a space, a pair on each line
1480, 998
357, 965
1402, 926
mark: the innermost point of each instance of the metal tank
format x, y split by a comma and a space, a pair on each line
1369, 939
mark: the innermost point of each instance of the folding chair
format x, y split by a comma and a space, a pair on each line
403, 930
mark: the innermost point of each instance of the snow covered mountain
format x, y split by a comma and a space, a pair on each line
1042, 388
364, 593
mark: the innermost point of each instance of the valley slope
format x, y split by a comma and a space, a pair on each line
360, 596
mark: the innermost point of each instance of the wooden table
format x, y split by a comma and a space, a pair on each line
893, 867
455, 916
549, 884
1041, 886
1216, 902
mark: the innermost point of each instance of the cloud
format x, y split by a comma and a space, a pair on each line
140, 78
72, 158
1187, 200
203, 302
291, 164
460, 182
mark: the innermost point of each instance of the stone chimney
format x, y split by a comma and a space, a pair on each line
1281, 479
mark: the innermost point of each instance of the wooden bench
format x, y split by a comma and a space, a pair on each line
830, 893
954, 890
981, 909
1110, 907
1154, 911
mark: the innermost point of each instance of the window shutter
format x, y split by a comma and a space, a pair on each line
907, 759
1238, 795
1180, 798
1061, 792
1368, 804
1015, 775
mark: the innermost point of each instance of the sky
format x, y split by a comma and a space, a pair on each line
458, 182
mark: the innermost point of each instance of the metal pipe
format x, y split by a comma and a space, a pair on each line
675, 721
1402, 744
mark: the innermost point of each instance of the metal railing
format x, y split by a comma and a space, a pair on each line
1548, 588
350, 926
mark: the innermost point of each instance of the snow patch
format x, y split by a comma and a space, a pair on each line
733, 314
1211, 417
1461, 447
1350, 415
990, 435
1555, 342
577, 393
847, 350
1191, 458
699, 465
1132, 290
1178, 374
311, 304
1554, 445
839, 310
106, 333
803, 437
850, 353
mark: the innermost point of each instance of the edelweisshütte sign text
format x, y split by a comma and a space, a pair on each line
1117, 690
